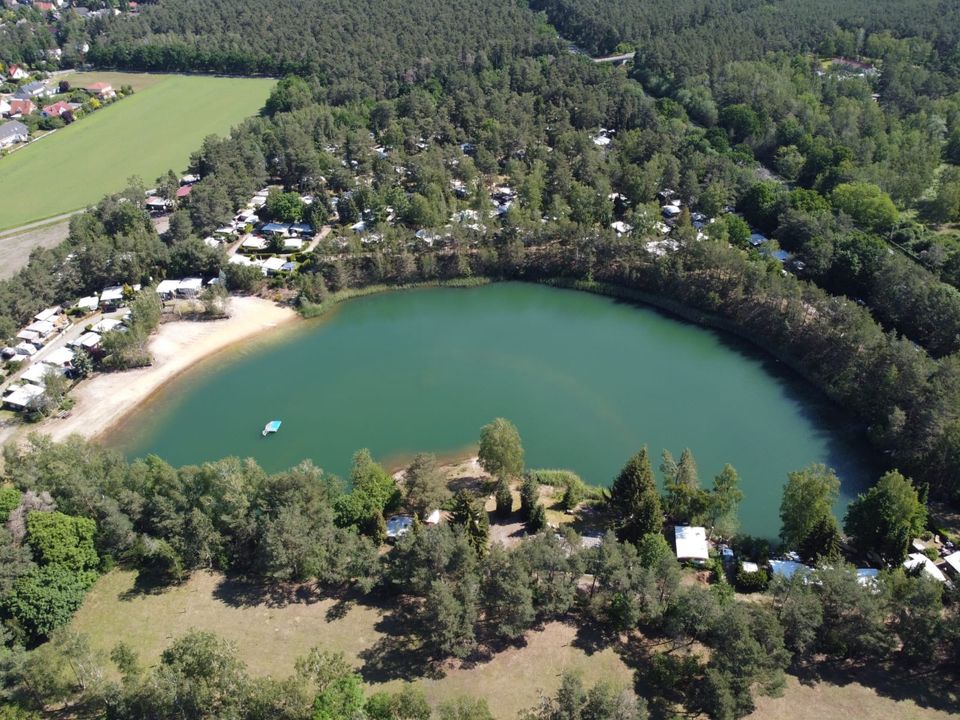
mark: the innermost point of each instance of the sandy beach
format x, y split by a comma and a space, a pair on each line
176, 347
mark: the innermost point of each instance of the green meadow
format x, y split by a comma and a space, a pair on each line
145, 134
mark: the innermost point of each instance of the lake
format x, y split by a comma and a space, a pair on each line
587, 380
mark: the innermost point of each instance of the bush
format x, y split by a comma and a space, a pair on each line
750, 582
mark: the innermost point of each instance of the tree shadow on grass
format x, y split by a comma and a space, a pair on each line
927, 687
397, 655
145, 584
240, 593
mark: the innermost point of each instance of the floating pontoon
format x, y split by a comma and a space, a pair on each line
271, 427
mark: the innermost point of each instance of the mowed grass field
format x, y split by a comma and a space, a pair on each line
269, 636
145, 134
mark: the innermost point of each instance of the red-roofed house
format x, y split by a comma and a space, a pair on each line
16, 72
44, 6
58, 109
18, 108
102, 90
184, 190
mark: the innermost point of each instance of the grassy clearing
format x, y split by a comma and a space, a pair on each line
138, 81
144, 135
824, 701
270, 635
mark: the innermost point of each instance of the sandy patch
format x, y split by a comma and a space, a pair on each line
177, 346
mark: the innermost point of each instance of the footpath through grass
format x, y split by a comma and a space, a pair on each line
145, 134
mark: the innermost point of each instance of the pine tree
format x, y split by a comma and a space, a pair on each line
472, 517
634, 501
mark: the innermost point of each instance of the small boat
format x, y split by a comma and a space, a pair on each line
271, 427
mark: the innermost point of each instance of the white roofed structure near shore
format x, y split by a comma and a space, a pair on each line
691, 543
37, 374
953, 563
788, 568
106, 325
919, 560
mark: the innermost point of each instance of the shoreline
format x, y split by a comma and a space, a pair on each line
105, 400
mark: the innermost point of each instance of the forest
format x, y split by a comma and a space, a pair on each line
419, 120
75, 510
353, 49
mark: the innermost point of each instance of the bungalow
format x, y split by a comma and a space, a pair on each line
190, 287
59, 109
254, 243
13, 132
166, 289
691, 543
302, 228
20, 107
87, 304
272, 266
953, 564
106, 325
926, 565
112, 297
183, 191
15, 72
33, 90
43, 328
292, 244
37, 374
49, 314
275, 229
156, 204
26, 349
23, 396
61, 357
102, 90
87, 341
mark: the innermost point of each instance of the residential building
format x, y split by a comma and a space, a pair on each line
13, 132
33, 91
102, 90
20, 107
16, 72
59, 109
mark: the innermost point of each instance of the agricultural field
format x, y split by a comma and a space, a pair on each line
146, 134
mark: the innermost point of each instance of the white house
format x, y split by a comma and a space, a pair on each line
61, 357
106, 325
691, 543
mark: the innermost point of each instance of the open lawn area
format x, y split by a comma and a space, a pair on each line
146, 134
270, 634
